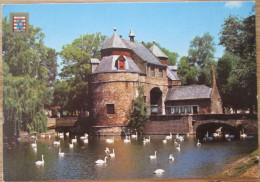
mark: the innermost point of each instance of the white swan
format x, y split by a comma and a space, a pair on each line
107, 151
215, 134
178, 148
153, 156
71, 145
49, 135
34, 144
61, 136
127, 139
43, 135
171, 157
226, 135
35, 149
56, 142
164, 141
134, 136
175, 143
61, 153
74, 140
187, 134
110, 140
86, 135
148, 139
168, 137
85, 140
158, 171
40, 162
67, 134
144, 141
181, 138
198, 144
113, 154
82, 137
243, 135
100, 161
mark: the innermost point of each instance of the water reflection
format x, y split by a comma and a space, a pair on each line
131, 159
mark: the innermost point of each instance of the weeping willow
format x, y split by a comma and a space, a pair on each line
23, 104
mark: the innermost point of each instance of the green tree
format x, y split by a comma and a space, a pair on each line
201, 52
29, 67
187, 73
138, 116
172, 56
238, 37
76, 69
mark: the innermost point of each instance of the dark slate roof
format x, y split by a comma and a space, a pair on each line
143, 52
94, 61
107, 65
157, 51
115, 42
172, 73
188, 93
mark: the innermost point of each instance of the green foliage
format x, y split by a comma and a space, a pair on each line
138, 115
187, 73
29, 68
75, 72
172, 56
195, 68
238, 37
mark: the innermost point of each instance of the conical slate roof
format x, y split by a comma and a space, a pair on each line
115, 42
157, 52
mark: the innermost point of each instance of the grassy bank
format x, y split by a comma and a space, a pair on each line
246, 166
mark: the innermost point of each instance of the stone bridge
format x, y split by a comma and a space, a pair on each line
61, 122
194, 124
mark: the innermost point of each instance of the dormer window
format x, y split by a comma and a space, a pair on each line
120, 63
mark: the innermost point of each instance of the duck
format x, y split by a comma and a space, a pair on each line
178, 148
61, 153
134, 135
169, 136
112, 154
74, 140
40, 162
171, 157
198, 144
100, 161
158, 171
110, 140
226, 135
56, 142
153, 156
34, 144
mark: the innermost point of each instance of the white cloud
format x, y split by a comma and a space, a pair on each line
233, 4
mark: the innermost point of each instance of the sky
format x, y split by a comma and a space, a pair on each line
172, 24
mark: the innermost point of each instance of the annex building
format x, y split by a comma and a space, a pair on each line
125, 65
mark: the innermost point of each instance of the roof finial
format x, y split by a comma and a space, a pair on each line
131, 35
153, 41
114, 29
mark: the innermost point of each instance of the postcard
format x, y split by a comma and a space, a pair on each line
132, 90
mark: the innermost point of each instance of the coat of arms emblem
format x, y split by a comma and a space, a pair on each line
20, 23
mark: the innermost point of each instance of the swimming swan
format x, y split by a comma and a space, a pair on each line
153, 156
40, 162
100, 161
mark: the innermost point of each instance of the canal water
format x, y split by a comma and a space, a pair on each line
131, 160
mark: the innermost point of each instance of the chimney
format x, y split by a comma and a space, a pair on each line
131, 35
213, 77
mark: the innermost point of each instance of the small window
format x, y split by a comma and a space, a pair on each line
176, 110
188, 108
152, 73
160, 73
182, 109
110, 109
